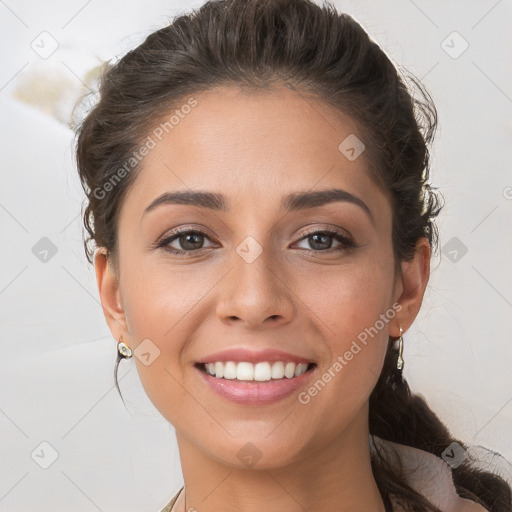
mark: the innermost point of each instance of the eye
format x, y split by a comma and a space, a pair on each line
188, 240
321, 241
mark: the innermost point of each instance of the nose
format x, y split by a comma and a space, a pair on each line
255, 293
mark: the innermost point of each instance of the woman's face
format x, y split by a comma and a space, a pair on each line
259, 277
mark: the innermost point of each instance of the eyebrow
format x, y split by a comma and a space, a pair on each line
292, 202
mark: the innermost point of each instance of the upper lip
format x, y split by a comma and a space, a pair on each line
252, 356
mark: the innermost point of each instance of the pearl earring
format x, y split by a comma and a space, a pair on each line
123, 349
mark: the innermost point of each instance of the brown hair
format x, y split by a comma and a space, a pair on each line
255, 44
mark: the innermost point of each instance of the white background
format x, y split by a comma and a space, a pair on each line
57, 355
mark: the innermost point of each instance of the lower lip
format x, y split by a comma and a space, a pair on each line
254, 392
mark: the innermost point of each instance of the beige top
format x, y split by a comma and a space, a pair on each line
426, 473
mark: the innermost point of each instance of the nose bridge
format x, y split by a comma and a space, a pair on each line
254, 289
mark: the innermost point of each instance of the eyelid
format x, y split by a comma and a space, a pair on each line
327, 228
184, 229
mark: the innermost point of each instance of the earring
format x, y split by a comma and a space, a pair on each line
123, 349
400, 360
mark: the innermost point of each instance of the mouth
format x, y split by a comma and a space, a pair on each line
259, 384
265, 371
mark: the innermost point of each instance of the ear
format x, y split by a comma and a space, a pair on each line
110, 295
415, 275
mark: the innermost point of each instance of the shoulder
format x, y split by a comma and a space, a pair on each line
169, 505
427, 474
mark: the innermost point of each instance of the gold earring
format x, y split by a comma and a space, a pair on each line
123, 349
400, 360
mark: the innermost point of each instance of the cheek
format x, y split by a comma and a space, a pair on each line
161, 307
354, 312
349, 299
158, 299
158, 327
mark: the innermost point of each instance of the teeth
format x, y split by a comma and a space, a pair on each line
218, 370
289, 370
257, 372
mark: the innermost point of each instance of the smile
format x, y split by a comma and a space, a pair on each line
262, 383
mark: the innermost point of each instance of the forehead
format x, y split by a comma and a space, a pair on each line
251, 146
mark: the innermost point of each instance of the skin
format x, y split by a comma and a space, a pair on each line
256, 148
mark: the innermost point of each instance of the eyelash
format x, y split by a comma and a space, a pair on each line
346, 242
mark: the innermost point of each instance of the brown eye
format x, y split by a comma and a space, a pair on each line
186, 242
321, 241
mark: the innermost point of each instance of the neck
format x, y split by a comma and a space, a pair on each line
333, 476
